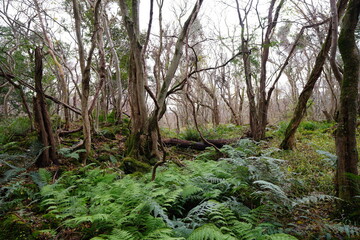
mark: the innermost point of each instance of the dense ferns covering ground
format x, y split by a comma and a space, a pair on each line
251, 191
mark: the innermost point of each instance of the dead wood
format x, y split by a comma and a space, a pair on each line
64, 132
198, 145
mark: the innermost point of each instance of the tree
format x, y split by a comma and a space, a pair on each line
346, 148
300, 109
85, 66
60, 69
143, 140
258, 110
42, 119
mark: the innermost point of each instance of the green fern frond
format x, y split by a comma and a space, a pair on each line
281, 236
189, 190
240, 227
202, 209
273, 192
315, 198
10, 174
209, 232
116, 234
91, 218
162, 234
42, 177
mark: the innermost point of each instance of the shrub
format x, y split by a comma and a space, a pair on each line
190, 134
10, 129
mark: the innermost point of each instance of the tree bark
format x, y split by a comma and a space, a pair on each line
288, 142
264, 101
143, 141
215, 106
60, 70
85, 66
42, 119
6, 98
253, 114
115, 57
137, 80
346, 148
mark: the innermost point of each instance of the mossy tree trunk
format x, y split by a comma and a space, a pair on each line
142, 144
346, 131
42, 119
138, 140
288, 142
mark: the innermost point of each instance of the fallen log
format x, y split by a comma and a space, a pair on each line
66, 132
197, 145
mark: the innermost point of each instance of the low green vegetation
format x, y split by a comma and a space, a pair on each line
227, 131
253, 191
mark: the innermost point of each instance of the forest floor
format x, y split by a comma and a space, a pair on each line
252, 190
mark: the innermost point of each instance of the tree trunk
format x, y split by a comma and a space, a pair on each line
300, 109
215, 106
115, 58
85, 65
142, 143
253, 116
263, 105
6, 98
288, 142
138, 111
346, 131
42, 119
138, 140
60, 70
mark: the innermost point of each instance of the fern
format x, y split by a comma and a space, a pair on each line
117, 234
13, 190
281, 236
209, 232
66, 152
162, 234
13, 171
313, 199
198, 214
42, 177
174, 206
343, 229
330, 158
273, 193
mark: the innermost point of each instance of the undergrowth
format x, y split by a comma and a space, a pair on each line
255, 191
243, 196
225, 131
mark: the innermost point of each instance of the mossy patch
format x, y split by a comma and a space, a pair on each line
131, 165
14, 228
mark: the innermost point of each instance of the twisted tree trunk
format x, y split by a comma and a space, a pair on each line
346, 148
42, 119
288, 142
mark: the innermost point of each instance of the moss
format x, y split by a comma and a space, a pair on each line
11, 146
130, 144
131, 165
14, 228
